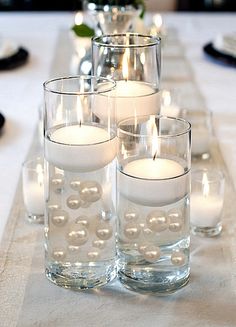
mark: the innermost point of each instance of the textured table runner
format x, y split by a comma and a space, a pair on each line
29, 299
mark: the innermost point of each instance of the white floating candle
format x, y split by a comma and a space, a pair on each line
205, 211
132, 99
81, 148
153, 182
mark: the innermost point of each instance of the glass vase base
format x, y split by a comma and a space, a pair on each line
35, 219
206, 231
163, 284
81, 277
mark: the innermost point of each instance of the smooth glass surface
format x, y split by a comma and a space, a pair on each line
80, 148
153, 189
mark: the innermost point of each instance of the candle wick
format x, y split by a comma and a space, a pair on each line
80, 124
155, 155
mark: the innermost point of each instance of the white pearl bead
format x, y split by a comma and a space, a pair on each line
152, 253
100, 244
175, 213
175, 226
75, 184
148, 232
52, 207
73, 248
59, 217
57, 183
104, 231
73, 202
176, 220
131, 215
157, 221
93, 254
77, 236
90, 191
82, 220
58, 254
132, 230
178, 258
142, 248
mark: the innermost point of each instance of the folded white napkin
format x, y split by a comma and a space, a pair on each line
226, 44
7, 48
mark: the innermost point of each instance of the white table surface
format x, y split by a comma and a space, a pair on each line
21, 89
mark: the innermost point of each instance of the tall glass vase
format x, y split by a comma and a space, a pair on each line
79, 149
153, 190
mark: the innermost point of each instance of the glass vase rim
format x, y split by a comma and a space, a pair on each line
30, 164
177, 134
84, 77
156, 40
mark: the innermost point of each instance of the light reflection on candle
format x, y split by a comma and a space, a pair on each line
125, 64
39, 170
168, 107
205, 184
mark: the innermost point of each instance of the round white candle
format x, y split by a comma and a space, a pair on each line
205, 211
153, 182
33, 194
132, 99
80, 148
200, 140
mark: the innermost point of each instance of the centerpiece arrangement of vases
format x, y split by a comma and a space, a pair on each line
118, 173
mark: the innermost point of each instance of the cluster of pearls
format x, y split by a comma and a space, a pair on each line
85, 235
88, 192
152, 253
156, 221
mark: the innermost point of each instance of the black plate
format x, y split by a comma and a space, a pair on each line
2, 121
219, 56
17, 59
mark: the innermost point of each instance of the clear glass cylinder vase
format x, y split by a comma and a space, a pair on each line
79, 150
134, 62
153, 189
